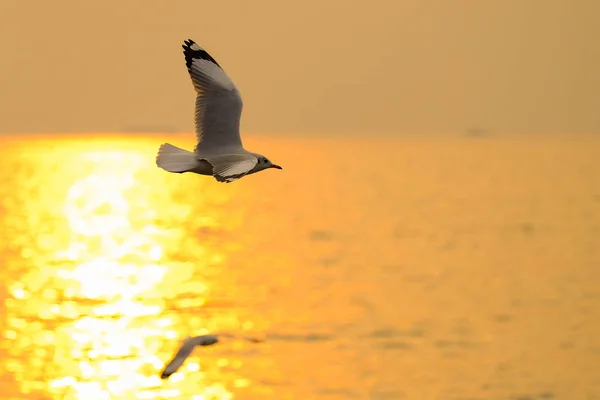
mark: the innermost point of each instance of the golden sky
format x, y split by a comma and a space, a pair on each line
307, 66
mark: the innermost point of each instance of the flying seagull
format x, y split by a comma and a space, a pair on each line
188, 346
219, 151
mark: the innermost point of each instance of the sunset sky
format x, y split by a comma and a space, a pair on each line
315, 66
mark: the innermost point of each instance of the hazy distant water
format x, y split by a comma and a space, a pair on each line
376, 268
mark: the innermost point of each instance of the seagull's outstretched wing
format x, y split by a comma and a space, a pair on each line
230, 167
177, 361
246, 338
184, 351
188, 346
218, 102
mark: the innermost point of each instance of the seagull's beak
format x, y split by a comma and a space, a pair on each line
276, 166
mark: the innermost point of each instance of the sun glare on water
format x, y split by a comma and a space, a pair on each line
92, 301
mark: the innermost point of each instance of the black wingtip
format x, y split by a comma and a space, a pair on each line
192, 51
164, 375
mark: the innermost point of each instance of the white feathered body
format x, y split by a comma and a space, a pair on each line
219, 151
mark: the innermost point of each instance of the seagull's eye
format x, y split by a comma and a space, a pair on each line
266, 160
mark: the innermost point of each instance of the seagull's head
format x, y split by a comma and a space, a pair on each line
264, 163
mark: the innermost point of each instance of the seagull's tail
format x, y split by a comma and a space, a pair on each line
174, 159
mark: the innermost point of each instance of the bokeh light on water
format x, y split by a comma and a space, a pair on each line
91, 260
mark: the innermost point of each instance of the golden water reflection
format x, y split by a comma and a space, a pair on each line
90, 306
445, 268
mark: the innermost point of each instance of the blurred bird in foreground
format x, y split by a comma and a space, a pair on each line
219, 151
188, 346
